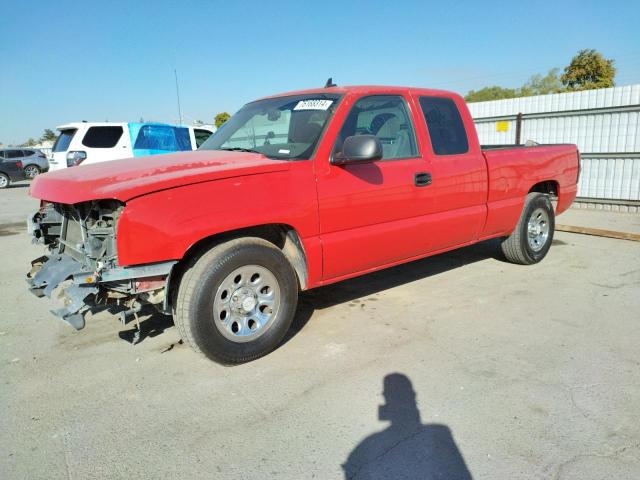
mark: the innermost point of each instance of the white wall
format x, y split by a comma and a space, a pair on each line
604, 123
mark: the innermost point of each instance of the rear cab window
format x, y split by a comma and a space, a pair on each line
63, 140
102, 137
446, 129
201, 136
385, 116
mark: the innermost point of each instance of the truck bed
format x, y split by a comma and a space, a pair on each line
513, 169
499, 146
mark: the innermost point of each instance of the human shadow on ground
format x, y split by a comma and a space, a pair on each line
406, 449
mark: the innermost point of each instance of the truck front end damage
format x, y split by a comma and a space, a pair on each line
81, 268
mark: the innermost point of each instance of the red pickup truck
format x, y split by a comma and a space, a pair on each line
295, 191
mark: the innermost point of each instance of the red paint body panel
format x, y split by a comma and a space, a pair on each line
350, 219
177, 218
511, 174
132, 177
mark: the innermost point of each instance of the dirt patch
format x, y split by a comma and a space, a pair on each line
8, 229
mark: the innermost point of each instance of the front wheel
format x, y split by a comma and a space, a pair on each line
236, 302
531, 239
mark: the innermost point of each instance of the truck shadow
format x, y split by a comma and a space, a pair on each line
347, 290
363, 286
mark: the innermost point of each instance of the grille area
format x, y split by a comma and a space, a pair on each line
71, 238
85, 231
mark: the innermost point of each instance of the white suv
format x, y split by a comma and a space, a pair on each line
86, 143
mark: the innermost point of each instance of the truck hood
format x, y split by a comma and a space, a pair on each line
131, 177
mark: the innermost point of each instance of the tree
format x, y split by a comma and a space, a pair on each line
221, 118
539, 85
588, 70
29, 143
48, 136
490, 93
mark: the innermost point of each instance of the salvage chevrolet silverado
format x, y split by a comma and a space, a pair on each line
296, 191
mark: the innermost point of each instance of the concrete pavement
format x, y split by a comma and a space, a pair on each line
518, 372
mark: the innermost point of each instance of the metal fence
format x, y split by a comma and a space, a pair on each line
604, 123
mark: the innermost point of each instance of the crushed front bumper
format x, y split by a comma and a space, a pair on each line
67, 279
49, 273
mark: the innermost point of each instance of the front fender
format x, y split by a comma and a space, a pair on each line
162, 226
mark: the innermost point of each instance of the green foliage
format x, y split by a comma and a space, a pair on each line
539, 85
588, 70
221, 118
536, 85
29, 143
48, 136
490, 93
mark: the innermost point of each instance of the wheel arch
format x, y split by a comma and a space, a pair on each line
550, 187
283, 236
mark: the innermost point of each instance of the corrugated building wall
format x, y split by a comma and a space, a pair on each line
604, 123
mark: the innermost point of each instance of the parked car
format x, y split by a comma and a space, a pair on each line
33, 160
296, 191
85, 143
11, 170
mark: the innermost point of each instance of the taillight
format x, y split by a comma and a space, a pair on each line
19, 164
76, 158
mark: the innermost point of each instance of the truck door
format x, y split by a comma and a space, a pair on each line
458, 170
372, 214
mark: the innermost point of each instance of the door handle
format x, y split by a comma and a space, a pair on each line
422, 179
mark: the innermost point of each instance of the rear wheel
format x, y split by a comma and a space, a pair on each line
4, 180
532, 237
236, 302
31, 171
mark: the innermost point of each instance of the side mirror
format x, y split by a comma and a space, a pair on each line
358, 149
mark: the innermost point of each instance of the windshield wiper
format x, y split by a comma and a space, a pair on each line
240, 149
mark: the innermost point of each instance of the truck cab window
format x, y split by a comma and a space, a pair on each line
448, 136
386, 117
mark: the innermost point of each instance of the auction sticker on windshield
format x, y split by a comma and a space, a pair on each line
313, 104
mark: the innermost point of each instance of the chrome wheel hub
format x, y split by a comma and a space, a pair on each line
243, 301
3, 181
246, 303
538, 229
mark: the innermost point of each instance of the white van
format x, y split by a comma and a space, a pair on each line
90, 142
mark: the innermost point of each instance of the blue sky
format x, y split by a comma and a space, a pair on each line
88, 60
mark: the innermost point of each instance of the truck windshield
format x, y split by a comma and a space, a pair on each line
282, 127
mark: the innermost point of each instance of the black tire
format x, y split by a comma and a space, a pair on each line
5, 181
194, 307
31, 171
516, 247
